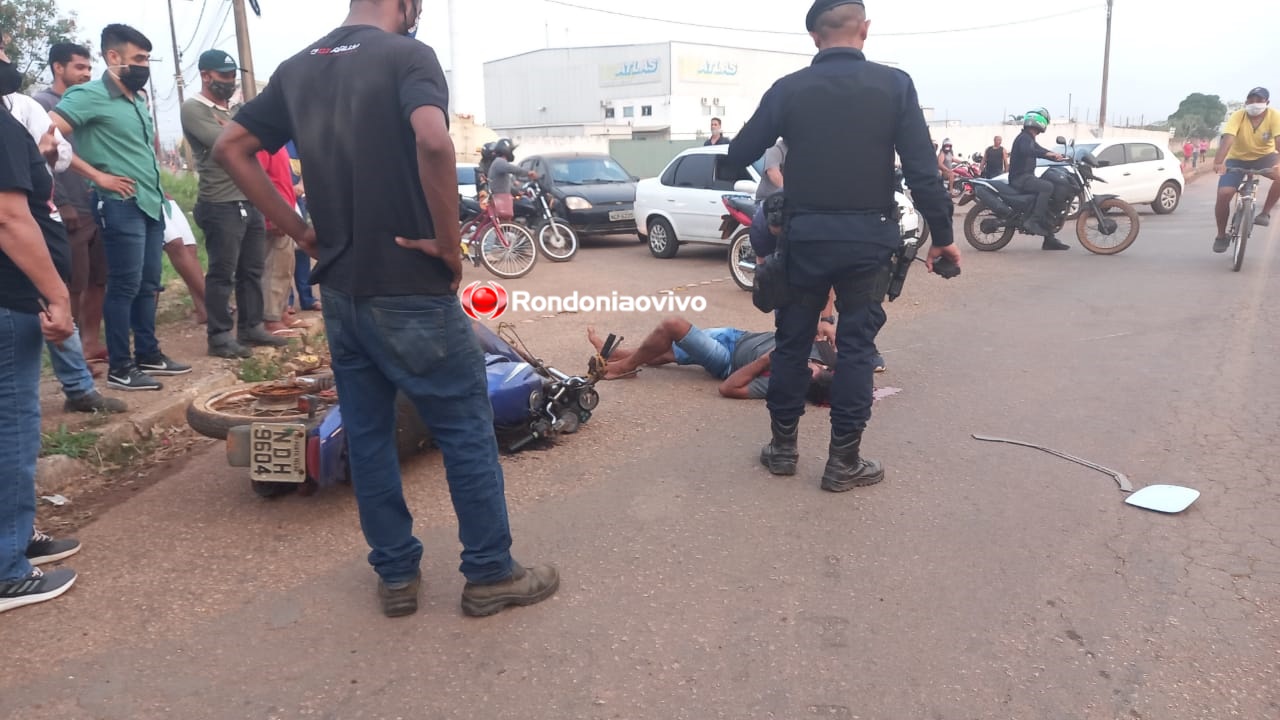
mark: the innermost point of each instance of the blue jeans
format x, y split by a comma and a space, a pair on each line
71, 368
20, 348
423, 346
710, 349
134, 243
302, 279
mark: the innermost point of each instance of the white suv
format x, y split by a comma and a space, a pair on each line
1140, 171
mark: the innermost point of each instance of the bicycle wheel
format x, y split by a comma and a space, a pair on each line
1116, 229
1246, 229
508, 251
558, 240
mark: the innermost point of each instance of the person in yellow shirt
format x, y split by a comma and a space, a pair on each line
1250, 142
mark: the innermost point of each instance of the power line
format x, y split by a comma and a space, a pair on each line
707, 26
203, 6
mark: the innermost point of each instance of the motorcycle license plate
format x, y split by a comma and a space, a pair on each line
278, 453
618, 215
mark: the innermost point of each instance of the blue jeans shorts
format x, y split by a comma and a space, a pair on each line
711, 349
1235, 169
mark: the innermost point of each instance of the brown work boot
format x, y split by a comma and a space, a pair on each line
781, 455
399, 599
846, 469
524, 587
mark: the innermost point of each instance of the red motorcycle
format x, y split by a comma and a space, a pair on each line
964, 171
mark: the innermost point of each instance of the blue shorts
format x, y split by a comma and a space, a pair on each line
712, 349
1235, 169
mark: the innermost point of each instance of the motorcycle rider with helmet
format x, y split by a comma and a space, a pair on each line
500, 173
1022, 175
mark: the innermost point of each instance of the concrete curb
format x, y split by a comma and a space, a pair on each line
174, 412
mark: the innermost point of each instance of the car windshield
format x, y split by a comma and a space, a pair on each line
587, 171
466, 176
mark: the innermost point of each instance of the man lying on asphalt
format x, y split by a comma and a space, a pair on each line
739, 358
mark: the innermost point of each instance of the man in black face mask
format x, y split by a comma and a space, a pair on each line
235, 234
115, 144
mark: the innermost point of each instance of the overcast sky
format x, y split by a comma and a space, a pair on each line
1159, 54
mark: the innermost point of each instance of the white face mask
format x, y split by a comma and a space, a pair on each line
1255, 109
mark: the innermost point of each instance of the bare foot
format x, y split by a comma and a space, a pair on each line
594, 339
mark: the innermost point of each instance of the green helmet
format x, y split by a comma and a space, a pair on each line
1037, 118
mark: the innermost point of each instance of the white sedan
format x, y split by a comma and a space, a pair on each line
1138, 170
684, 203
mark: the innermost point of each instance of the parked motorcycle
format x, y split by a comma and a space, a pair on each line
290, 435
557, 238
741, 210
964, 172
1105, 225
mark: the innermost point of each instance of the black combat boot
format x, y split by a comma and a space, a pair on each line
846, 470
781, 455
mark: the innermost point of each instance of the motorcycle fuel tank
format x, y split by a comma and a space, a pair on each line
512, 389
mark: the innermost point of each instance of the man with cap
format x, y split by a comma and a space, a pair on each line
840, 227
235, 233
1251, 141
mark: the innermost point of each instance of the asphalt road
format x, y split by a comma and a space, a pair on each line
978, 581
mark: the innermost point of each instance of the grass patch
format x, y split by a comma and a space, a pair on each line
75, 445
260, 369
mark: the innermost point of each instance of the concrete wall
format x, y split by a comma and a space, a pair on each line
567, 86
713, 81
968, 140
647, 158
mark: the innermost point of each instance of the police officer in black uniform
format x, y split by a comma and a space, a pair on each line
842, 118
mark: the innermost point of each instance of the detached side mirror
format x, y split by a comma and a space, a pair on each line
746, 187
1061, 140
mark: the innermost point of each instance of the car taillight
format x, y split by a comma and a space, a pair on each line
313, 457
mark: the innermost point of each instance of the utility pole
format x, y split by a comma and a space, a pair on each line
155, 114
177, 56
1106, 71
180, 82
248, 83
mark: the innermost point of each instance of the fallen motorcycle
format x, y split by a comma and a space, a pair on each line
289, 433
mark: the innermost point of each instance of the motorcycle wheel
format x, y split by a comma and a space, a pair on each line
740, 251
1114, 211
986, 242
214, 413
557, 240
511, 260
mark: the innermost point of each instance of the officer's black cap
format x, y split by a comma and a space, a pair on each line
821, 6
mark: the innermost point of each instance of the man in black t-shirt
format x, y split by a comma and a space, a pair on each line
35, 266
367, 107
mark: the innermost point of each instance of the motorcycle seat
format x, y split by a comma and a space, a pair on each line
1008, 192
743, 204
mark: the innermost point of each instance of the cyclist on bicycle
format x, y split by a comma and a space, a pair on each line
500, 173
1250, 142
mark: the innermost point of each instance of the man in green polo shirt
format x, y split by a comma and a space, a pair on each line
115, 135
235, 234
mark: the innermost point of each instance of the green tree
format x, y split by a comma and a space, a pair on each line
30, 27
1199, 115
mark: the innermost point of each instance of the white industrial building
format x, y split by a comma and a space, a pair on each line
660, 91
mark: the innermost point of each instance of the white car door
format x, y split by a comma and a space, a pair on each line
1147, 168
1114, 171
697, 206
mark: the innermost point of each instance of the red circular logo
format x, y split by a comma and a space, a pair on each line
484, 300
